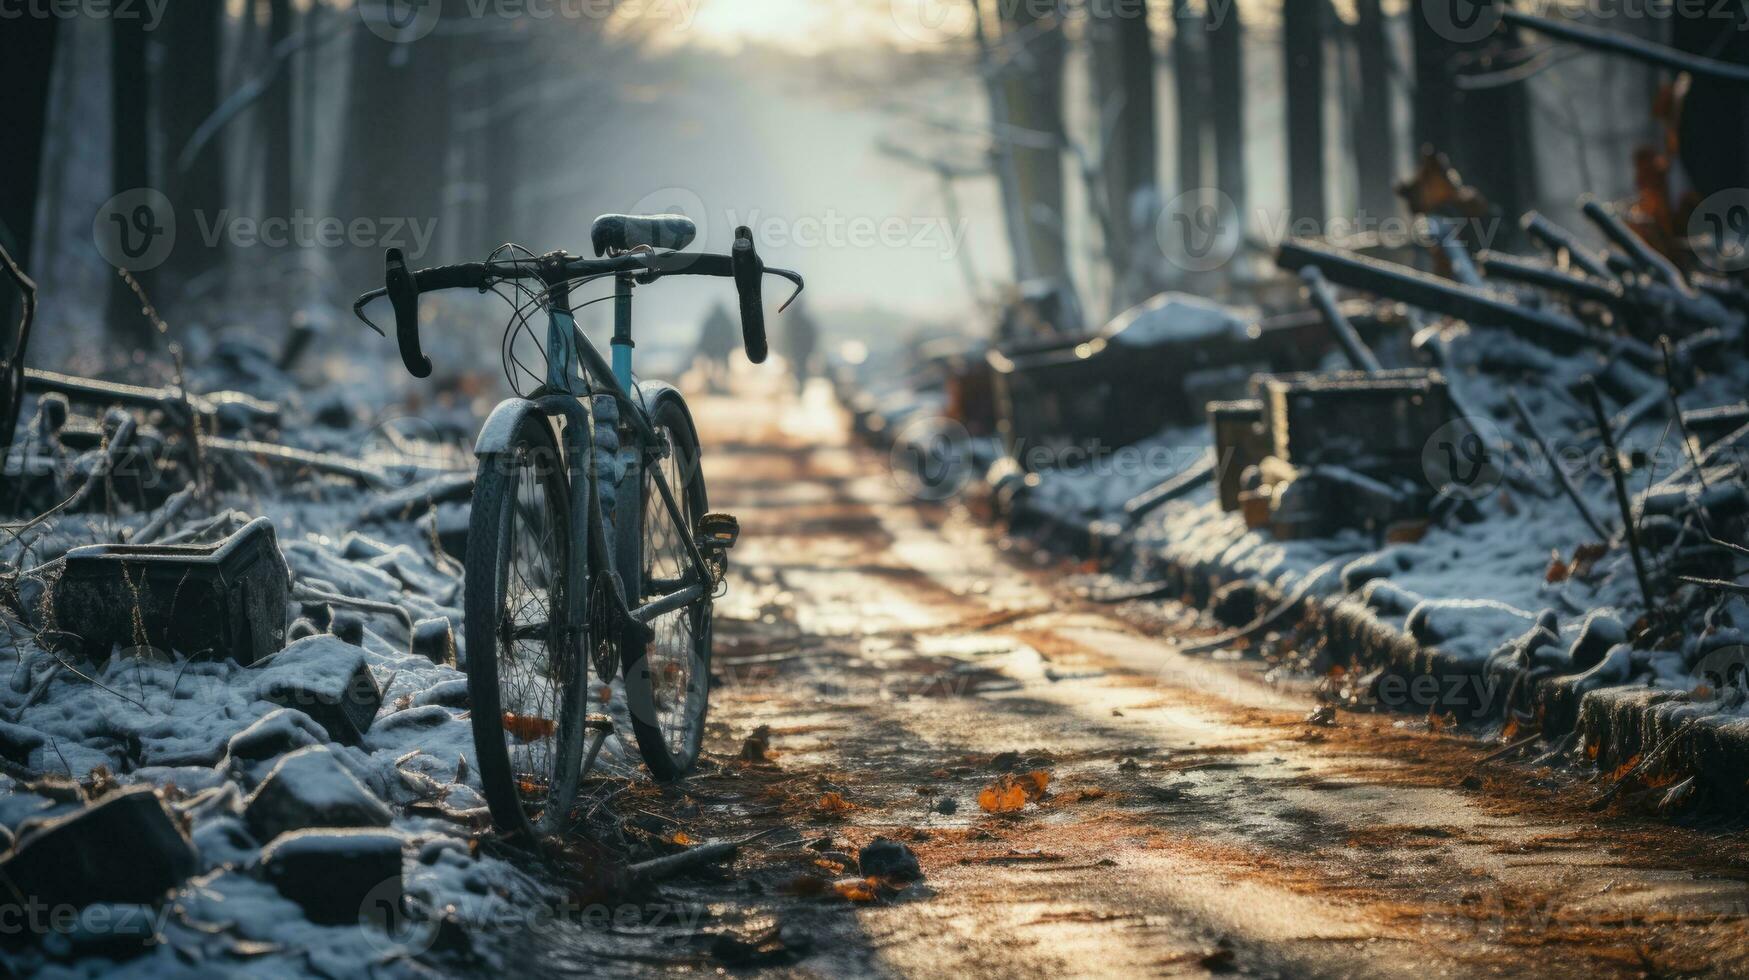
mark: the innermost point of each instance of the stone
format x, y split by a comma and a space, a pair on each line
338, 877
884, 857
279, 732
310, 788
126, 848
434, 640
1601, 632
348, 626
328, 680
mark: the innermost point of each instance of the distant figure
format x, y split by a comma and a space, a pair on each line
800, 337
717, 341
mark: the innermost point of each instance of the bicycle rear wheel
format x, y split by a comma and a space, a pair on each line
525, 674
668, 683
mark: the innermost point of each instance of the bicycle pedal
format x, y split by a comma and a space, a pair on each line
717, 532
599, 723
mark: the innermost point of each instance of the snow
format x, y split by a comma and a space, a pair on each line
1174, 317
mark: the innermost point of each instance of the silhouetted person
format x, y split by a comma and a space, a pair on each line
800, 337
718, 340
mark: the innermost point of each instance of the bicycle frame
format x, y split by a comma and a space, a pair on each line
572, 364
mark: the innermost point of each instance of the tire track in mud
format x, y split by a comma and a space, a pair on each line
903, 659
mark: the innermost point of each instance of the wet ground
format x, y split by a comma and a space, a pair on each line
1083, 798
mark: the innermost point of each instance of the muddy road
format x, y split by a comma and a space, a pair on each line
897, 670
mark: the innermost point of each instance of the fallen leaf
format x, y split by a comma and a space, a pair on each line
1558, 571
857, 889
1622, 770
834, 804
1002, 796
1035, 782
528, 728
680, 837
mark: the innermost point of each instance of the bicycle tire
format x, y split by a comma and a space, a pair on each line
526, 683
680, 655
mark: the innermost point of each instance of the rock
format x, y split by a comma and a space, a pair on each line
109, 930
125, 848
348, 626
17, 742
338, 877
319, 613
310, 788
224, 843
434, 640
450, 694
1601, 632
887, 858
279, 732
947, 805
328, 680
299, 629
1235, 604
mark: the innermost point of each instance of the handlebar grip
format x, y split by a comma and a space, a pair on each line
404, 297
749, 272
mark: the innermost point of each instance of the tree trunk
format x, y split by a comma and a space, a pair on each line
276, 119
1189, 84
1302, 31
1226, 36
1484, 133
397, 136
1375, 144
26, 66
1034, 87
189, 88
1123, 86
130, 169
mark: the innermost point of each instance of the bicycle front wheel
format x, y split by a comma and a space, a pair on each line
526, 674
668, 683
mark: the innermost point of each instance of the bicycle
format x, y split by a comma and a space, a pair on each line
590, 541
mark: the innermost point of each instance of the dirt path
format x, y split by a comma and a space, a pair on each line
1191, 821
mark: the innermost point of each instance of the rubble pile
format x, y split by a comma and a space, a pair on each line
233, 726
1524, 503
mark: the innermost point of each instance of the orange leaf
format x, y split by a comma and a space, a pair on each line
1622, 770
1559, 571
857, 889
834, 803
1035, 783
528, 728
679, 837
1003, 796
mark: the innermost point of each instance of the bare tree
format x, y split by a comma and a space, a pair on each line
1302, 38
188, 94
1123, 87
1226, 35
1484, 132
1375, 144
130, 167
1190, 84
1031, 83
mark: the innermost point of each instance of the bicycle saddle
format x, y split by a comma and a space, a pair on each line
624, 232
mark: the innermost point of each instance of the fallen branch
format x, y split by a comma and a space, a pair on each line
1561, 476
1629, 528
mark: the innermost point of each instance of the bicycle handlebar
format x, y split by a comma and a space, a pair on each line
743, 265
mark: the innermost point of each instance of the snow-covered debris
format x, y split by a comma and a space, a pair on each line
310, 788
125, 847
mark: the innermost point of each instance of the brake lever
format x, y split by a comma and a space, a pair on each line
794, 277
363, 301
